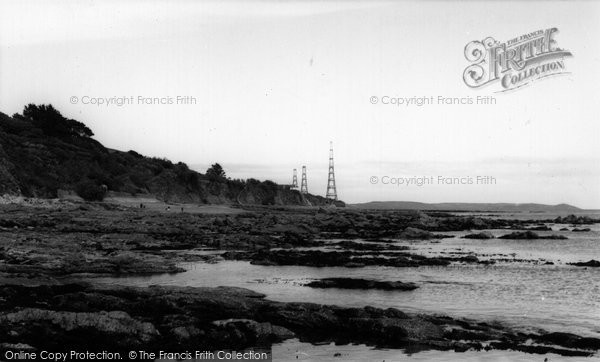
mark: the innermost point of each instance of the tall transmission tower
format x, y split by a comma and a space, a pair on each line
295, 180
331, 191
304, 186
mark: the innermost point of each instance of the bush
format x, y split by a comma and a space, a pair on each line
90, 191
49, 120
163, 162
135, 154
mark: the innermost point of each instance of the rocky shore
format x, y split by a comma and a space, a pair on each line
114, 318
40, 247
97, 238
345, 258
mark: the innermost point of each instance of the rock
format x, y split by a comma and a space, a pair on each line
570, 340
126, 241
529, 235
353, 264
353, 245
186, 332
352, 233
16, 347
115, 322
592, 263
347, 258
469, 259
259, 332
539, 349
539, 228
520, 235
233, 318
576, 220
481, 235
352, 283
414, 233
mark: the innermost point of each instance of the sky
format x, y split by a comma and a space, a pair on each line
273, 82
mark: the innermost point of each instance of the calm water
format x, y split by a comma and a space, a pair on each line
293, 350
527, 295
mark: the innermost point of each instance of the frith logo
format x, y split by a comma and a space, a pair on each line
516, 62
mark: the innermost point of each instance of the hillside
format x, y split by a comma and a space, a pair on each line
42, 152
452, 206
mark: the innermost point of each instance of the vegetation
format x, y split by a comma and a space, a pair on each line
215, 172
52, 123
44, 152
90, 190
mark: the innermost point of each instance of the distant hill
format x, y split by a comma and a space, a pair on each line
452, 206
43, 153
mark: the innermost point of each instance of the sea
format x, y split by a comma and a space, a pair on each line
531, 286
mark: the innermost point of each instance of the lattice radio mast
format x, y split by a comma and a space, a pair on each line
331, 191
304, 186
295, 180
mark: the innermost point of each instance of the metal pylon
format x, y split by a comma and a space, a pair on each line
304, 185
331, 191
295, 180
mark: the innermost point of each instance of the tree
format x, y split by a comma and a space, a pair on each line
215, 172
52, 123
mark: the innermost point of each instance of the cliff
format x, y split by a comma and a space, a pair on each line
42, 152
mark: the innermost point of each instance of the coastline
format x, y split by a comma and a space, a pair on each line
86, 241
